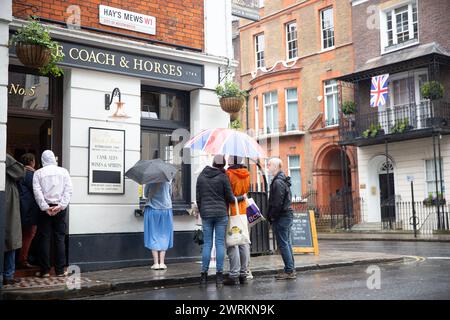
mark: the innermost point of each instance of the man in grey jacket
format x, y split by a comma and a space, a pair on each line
52, 189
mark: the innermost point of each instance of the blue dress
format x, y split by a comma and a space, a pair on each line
158, 216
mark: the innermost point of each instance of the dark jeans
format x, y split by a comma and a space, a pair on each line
47, 226
282, 230
211, 226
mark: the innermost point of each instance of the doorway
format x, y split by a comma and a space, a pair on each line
34, 125
387, 198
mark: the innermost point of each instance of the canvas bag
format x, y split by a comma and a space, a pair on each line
254, 215
237, 229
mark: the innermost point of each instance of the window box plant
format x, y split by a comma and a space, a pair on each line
348, 108
431, 200
373, 131
432, 90
231, 98
401, 126
36, 49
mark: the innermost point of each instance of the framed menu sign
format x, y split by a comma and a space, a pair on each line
304, 235
106, 161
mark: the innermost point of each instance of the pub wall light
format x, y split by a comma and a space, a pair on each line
109, 98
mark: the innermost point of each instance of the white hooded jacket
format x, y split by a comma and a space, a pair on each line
51, 184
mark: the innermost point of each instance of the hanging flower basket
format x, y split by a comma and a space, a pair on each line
33, 55
36, 49
231, 98
231, 104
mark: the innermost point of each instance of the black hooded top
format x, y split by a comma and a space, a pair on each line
280, 197
213, 192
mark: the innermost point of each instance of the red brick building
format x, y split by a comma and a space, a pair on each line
290, 60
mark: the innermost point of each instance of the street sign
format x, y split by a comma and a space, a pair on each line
410, 178
247, 9
304, 235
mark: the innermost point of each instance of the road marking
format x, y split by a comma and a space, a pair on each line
416, 259
438, 258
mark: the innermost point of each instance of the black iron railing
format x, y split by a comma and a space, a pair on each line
395, 120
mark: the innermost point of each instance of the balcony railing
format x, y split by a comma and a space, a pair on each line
395, 120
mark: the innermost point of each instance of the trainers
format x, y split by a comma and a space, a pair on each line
155, 266
286, 276
231, 281
243, 279
203, 278
42, 274
162, 266
219, 279
62, 275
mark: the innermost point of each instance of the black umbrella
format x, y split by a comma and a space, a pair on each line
151, 171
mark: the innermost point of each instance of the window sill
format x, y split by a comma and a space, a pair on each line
407, 45
327, 49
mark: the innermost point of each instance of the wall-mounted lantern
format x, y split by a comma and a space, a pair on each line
109, 98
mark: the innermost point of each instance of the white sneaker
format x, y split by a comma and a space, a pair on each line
162, 266
155, 267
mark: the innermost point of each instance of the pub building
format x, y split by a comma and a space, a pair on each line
121, 99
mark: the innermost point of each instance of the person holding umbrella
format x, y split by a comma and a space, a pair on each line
158, 221
158, 216
213, 193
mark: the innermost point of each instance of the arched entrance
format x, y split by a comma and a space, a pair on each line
329, 174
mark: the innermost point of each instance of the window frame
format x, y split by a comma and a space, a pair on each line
259, 63
433, 178
384, 38
299, 168
321, 16
275, 129
168, 126
336, 123
288, 50
287, 101
256, 112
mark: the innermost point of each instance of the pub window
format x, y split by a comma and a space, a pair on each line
28, 91
162, 112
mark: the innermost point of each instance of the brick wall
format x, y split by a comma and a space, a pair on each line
433, 27
177, 22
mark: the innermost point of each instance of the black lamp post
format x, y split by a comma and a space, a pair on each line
109, 98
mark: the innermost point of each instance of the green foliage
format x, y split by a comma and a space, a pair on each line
37, 34
432, 90
236, 124
372, 131
400, 126
348, 107
230, 89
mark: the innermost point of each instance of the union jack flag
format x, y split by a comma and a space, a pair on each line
379, 90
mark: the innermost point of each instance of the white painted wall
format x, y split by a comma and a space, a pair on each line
84, 94
5, 19
218, 29
409, 160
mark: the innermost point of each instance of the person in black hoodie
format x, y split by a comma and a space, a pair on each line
213, 192
281, 216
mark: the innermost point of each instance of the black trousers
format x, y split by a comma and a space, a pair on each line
48, 226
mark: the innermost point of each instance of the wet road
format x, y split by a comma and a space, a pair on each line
425, 277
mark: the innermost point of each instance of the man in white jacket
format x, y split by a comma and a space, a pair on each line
52, 188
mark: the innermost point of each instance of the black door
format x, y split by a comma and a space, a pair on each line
387, 198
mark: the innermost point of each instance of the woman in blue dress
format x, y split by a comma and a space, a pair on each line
158, 221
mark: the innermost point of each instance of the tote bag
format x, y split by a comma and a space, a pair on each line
237, 229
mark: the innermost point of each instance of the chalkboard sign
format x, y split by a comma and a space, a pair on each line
304, 235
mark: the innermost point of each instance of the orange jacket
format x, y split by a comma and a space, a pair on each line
240, 184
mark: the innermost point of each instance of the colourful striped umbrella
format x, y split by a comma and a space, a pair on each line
226, 142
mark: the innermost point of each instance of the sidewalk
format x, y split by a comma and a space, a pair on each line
109, 281
381, 236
